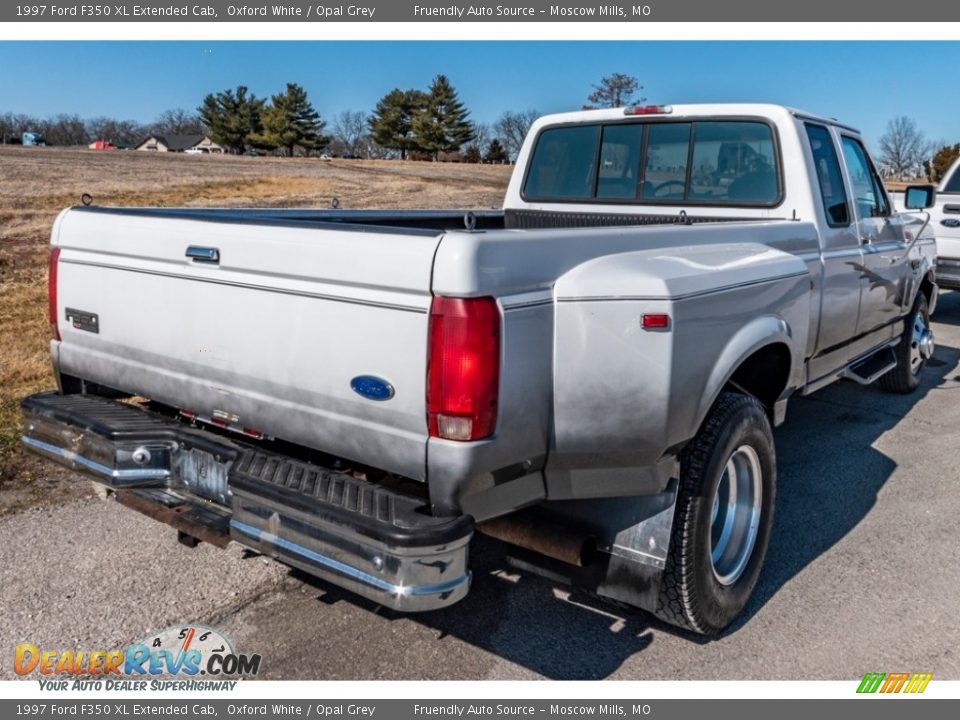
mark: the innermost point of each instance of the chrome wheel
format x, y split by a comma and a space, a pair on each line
735, 515
921, 343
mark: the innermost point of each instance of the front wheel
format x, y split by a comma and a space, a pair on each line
915, 348
723, 517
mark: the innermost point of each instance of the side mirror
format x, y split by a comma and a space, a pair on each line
919, 197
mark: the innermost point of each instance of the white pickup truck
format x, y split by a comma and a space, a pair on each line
590, 374
945, 220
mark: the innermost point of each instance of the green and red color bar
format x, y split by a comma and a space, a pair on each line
894, 682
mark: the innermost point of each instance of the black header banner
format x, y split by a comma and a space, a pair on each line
642, 11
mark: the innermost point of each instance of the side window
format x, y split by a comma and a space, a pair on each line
563, 163
665, 172
619, 161
829, 176
867, 188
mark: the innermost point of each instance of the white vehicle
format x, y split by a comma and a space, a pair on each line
591, 373
945, 220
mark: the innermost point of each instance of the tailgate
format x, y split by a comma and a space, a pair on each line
268, 325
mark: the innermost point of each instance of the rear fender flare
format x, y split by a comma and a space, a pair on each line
755, 335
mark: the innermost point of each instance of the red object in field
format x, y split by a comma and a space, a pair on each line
102, 145
463, 368
52, 292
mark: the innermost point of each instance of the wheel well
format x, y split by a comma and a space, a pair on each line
763, 375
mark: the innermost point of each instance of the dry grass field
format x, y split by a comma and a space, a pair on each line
36, 183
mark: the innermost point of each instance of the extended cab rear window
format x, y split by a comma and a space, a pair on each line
706, 162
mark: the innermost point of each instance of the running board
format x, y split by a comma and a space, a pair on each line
871, 368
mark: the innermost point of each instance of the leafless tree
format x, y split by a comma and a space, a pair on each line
119, 132
64, 129
13, 125
903, 147
483, 134
616, 91
349, 131
368, 148
178, 122
511, 128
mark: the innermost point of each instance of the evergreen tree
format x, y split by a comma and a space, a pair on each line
233, 117
937, 166
495, 153
443, 125
473, 154
615, 91
391, 124
290, 121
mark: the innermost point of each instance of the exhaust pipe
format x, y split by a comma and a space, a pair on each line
525, 530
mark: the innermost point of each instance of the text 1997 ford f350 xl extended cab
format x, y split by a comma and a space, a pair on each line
590, 374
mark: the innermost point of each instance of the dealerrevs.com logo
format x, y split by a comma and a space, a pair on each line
186, 652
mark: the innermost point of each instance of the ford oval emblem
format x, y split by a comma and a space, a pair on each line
372, 387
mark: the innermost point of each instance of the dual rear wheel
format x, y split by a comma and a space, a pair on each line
725, 502
723, 517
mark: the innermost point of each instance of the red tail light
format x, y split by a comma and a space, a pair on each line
463, 368
52, 292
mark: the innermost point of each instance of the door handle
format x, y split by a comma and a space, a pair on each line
865, 240
203, 254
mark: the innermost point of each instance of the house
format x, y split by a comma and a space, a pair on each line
192, 144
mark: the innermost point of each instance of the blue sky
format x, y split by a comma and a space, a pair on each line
862, 83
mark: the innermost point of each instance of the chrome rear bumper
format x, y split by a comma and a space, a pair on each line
375, 541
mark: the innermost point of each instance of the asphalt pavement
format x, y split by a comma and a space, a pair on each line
863, 574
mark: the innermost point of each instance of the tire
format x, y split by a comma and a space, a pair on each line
911, 354
697, 591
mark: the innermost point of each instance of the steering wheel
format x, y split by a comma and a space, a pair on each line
667, 184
